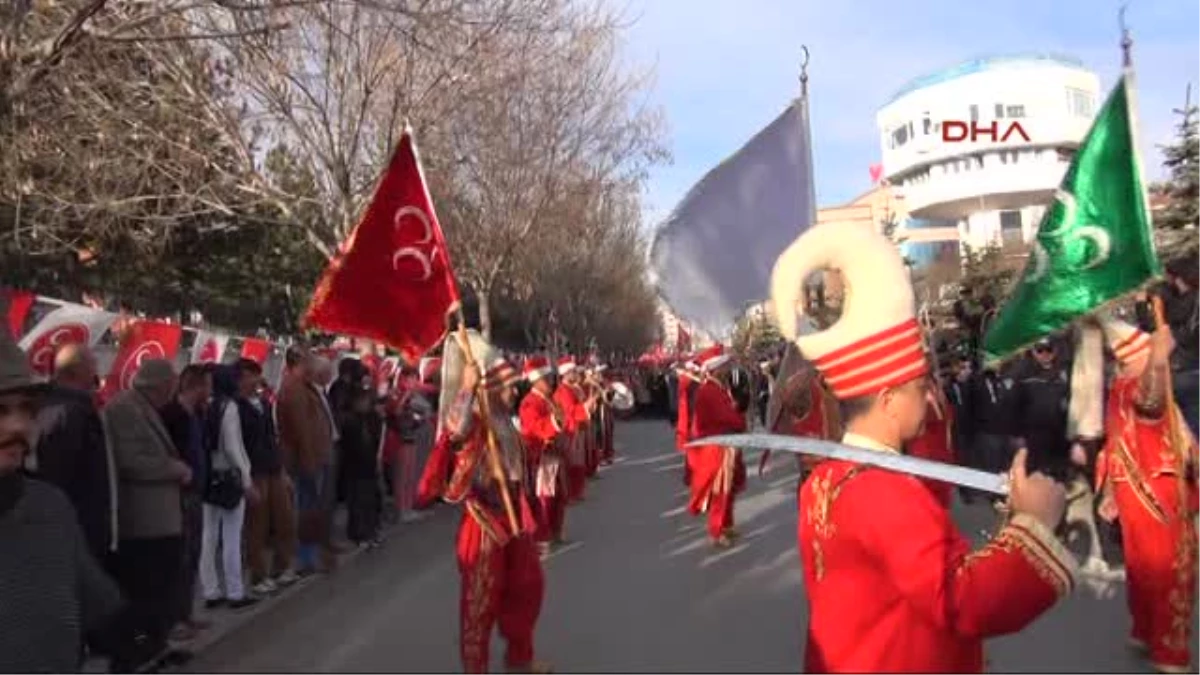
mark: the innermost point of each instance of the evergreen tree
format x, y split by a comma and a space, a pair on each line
1181, 159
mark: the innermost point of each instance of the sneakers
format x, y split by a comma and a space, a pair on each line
286, 579
264, 587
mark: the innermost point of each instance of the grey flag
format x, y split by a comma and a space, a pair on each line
713, 256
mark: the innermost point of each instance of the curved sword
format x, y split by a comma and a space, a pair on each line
995, 483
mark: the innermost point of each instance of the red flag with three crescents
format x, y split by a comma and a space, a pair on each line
392, 282
144, 340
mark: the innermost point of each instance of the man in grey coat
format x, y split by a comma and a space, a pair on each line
150, 474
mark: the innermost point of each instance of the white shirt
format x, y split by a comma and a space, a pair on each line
867, 443
232, 449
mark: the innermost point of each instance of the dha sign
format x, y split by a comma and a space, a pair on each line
46, 346
958, 131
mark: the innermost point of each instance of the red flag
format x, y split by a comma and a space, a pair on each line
19, 304
393, 282
69, 324
144, 340
256, 350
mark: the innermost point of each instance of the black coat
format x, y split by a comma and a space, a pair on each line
72, 455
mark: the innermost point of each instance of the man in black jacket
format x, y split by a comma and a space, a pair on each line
70, 447
1039, 412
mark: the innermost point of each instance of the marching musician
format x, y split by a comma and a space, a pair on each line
892, 585
501, 573
718, 473
1146, 474
686, 373
543, 428
577, 407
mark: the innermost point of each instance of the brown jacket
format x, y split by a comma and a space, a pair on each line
147, 464
305, 428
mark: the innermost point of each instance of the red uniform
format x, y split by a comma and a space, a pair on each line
683, 423
543, 432
501, 573
1156, 503
894, 587
936, 442
570, 401
717, 472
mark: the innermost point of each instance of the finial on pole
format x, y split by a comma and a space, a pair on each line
1126, 41
804, 72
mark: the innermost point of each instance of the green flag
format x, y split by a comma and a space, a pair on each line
1094, 243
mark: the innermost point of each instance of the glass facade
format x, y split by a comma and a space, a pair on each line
925, 253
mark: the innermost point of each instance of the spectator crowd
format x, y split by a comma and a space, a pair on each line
127, 526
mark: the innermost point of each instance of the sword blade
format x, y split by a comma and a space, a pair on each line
925, 468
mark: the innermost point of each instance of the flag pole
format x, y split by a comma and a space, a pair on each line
481, 394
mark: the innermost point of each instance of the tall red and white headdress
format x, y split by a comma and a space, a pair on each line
877, 343
536, 368
712, 358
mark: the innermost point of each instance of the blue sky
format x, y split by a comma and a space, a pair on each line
725, 68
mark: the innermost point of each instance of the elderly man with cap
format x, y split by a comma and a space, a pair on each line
892, 585
150, 474
51, 588
1146, 473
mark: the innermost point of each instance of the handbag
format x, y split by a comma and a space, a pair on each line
224, 487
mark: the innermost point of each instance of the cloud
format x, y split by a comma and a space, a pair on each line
725, 69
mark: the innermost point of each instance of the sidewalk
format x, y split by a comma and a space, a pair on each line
225, 621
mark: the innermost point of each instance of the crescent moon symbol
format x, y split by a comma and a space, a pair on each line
410, 252
1068, 201
420, 216
1099, 237
1041, 262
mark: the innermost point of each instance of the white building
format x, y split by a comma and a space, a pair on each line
991, 190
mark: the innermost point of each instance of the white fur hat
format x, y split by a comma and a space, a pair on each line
1126, 341
877, 342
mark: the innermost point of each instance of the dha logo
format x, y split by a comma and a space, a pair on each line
959, 131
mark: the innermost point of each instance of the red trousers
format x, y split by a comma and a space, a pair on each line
1160, 566
576, 482
608, 451
553, 517
501, 586
712, 490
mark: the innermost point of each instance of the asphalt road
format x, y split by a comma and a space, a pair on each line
639, 591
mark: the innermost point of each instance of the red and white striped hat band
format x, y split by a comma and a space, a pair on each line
1131, 346
886, 359
500, 374
566, 364
536, 368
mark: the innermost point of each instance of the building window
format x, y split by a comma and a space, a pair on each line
1010, 227
900, 136
1080, 103
978, 161
999, 111
1003, 157
974, 113
1015, 111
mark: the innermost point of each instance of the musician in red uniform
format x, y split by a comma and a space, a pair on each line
1146, 475
605, 413
718, 473
686, 372
576, 407
892, 585
544, 432
501, 573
